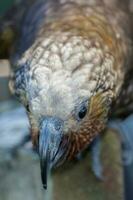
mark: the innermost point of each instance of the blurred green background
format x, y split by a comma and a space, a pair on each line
5, 5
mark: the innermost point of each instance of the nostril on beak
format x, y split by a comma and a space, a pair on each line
58, 124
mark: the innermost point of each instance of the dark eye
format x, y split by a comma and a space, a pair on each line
82, 112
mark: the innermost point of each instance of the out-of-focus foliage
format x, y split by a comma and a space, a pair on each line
5, 5
11, 16
6, 34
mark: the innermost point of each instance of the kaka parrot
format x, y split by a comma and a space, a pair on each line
72, 72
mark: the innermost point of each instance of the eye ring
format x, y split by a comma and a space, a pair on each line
82, 112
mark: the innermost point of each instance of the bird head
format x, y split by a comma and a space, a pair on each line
67, 81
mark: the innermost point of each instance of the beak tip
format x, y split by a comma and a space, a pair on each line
49, 145
45, 186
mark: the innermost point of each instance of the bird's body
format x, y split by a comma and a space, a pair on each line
72, 60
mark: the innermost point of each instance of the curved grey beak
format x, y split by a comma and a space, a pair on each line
51, 133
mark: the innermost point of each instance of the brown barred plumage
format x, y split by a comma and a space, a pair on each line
95, 121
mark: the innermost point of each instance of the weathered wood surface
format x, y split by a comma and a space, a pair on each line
4, 79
